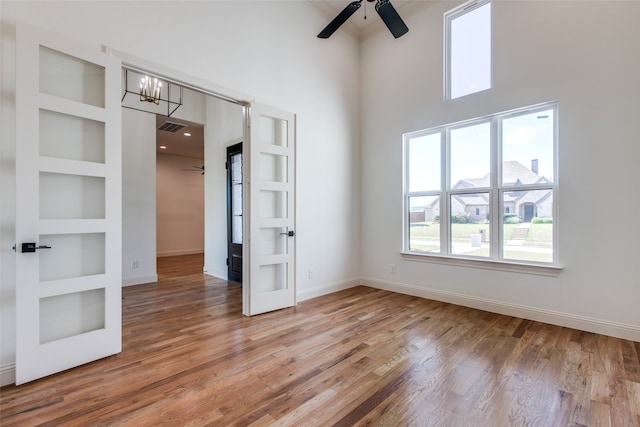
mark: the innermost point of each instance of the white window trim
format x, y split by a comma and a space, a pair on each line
485, 264
494, 261
448, 17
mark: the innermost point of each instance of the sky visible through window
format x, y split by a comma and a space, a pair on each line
529, 137
470, 152
470, 51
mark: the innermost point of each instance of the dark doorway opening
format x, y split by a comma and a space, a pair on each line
234, 212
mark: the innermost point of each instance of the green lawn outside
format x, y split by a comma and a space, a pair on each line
460, 232
425, 247
540, 235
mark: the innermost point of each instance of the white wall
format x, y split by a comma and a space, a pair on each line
193, 107
224, 127
138, 197
179, 205
583, 54
267, 49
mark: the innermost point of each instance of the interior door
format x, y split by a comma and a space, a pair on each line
68, 204
234, 212
271, 171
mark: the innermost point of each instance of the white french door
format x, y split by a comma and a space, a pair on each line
68, 204
270, 283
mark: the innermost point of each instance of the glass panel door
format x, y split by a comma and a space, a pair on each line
68, 205
272, 206
235, 208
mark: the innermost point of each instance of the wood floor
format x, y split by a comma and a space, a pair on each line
356, 357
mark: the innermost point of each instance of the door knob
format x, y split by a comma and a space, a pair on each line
31, 247
289, 233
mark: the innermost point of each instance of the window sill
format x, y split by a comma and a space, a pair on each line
487, 264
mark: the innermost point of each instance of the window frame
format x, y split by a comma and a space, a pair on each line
496, 190
449, 16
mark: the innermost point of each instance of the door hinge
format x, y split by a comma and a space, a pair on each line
227, 261
226, 165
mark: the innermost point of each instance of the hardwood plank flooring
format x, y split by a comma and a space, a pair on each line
357, 357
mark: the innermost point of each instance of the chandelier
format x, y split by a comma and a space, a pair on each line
148, 92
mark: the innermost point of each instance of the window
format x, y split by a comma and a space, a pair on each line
485, 188
468, 49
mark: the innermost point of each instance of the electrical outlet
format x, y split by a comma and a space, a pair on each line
392, 268
134, 264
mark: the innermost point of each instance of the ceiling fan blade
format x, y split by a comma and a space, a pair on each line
340, 19
391, 18
195, 169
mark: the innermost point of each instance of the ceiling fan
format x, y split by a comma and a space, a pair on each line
195, 169
384, 8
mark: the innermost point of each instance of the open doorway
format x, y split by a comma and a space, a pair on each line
269, 134
188, 216
179, 188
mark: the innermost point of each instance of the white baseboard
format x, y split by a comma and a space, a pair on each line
7, 374
329, 288
584, 323
139, 280
220, 274
180, 252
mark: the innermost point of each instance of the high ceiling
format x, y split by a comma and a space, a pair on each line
357, 25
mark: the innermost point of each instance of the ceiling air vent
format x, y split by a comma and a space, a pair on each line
171, 127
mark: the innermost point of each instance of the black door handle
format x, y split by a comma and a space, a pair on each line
289, 233
31, 247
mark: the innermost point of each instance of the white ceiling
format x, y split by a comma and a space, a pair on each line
177, 143
361, 28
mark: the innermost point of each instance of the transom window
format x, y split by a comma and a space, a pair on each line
468, 49
485, 188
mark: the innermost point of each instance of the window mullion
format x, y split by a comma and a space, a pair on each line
469, 190
495, 222
406, 196
555, 215
445, 214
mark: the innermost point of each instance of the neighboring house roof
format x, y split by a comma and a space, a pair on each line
473, 182
472, 199
510, 196
514, 173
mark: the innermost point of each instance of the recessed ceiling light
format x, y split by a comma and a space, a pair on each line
163, 147
187, 134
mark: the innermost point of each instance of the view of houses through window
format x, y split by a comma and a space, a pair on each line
484, 188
